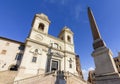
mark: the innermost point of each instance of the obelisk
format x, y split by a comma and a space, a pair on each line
104, 63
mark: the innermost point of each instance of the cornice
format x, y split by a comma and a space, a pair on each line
46, 45
7, 39
48, 35
43, 17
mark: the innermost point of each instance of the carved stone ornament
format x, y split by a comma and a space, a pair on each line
36, 51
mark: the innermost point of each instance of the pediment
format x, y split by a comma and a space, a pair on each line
36, 51
56, 54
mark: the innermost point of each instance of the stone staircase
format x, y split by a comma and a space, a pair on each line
47, 78
73, 79
7, 77
57, 77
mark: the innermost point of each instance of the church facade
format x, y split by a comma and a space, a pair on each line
41, 53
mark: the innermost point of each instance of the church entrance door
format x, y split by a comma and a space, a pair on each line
54, 65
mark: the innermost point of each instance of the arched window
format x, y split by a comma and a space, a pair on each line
41, 26
13, 67
68, 38
62, 38
55, 45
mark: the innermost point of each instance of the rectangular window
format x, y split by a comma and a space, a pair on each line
3, 52
34, 59
70, 65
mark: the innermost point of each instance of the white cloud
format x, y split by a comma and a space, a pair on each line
85, 72
78, 10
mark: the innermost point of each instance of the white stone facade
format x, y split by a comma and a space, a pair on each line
41, 53
8, 52
49, 50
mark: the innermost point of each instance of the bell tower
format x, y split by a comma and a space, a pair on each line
66, 35
40, 25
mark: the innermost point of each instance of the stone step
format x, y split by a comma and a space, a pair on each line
54, 78
7, 77
49, 79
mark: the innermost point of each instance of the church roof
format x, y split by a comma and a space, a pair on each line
11, 40
43, 16
66, 29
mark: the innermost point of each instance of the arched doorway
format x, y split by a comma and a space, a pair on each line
13, 67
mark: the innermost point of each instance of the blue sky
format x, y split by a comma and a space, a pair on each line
16, 17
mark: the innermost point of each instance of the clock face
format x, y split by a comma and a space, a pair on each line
39, 37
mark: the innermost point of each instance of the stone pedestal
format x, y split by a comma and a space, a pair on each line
111, 78
105, 71
104, 61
